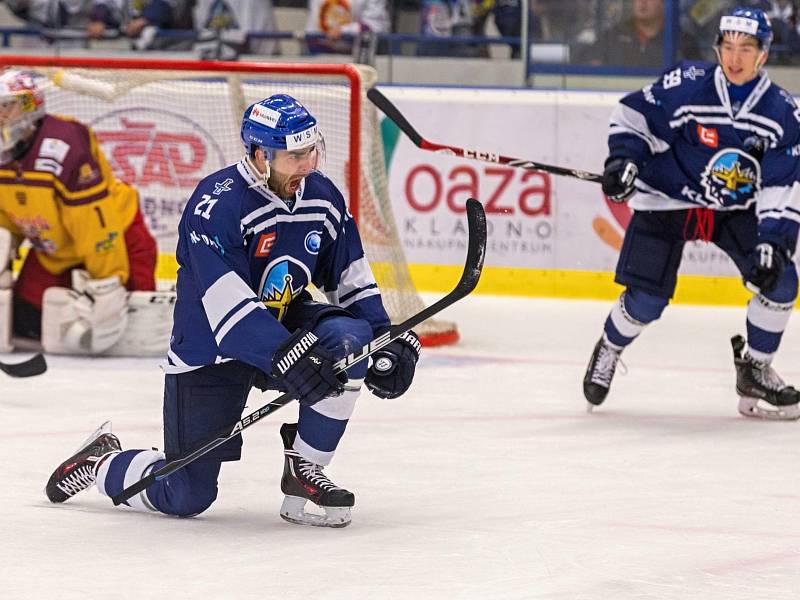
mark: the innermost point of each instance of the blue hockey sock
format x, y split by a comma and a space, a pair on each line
321, 426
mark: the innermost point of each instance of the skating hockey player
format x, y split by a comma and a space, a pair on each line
709, 152
89, 243
252, 238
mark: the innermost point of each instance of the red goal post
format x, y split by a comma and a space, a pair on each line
164, 124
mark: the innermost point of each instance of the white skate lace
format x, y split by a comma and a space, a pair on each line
313, 472
766, 376
605, 365
77, 481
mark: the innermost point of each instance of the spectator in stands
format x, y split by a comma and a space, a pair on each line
699, 21
224, 26
454, 18
635, 42
783, 14
508, 20
550, 22
140, 21
53, 14
335, 18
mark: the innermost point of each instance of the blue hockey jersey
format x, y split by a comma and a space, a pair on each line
244, 256
688, 139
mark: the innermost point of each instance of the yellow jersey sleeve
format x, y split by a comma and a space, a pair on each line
96, 211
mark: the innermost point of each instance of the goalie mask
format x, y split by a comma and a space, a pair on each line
281, 123
21, 109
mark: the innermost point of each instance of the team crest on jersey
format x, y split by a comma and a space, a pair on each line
731, 178
221, 188
693, 73
283, 281
313, 241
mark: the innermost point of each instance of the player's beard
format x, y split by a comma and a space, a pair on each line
284, 186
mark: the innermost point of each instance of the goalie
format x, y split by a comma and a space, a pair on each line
89, 243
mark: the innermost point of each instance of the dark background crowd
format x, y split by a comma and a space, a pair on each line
627, 33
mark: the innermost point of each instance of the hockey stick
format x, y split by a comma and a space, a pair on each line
391, 111
36, 365
476, 249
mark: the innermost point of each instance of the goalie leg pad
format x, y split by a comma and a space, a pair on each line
7, 251
149, 325
70, 327
61, 331
6, 301
147, 333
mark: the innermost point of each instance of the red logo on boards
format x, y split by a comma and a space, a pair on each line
708, 136
265, 244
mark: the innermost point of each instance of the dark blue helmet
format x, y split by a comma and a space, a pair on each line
749, 21
278, 123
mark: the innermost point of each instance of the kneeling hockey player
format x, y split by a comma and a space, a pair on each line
711, 152
252, 237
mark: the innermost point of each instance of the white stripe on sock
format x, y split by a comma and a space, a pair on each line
625, 324
340, 408
768, 315
136, 470
316, 456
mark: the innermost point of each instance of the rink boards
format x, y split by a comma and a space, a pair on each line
548, 236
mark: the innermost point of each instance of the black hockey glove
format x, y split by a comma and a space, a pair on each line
767, 262
304, 368
393, 366
619, 176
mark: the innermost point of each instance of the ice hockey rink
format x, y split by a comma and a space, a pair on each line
487, 480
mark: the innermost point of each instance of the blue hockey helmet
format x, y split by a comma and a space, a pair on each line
748, 21
278, 123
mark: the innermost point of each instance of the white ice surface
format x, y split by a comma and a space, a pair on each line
488, 480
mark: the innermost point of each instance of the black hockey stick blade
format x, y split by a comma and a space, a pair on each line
394, 114
36, 365
476, 252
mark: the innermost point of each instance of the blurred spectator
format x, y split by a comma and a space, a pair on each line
508, 20
637, 41
334, 18
783, 14
699, 23
448, 18
223, 26
140, 20
562, 21
53, 14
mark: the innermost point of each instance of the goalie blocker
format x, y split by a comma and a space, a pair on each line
101, 317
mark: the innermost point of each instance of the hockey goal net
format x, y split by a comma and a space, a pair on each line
164, 125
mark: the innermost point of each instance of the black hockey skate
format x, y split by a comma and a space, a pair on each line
79, 471
762, 393
303, 481
600, 372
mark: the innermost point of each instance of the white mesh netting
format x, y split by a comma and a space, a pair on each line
163, 129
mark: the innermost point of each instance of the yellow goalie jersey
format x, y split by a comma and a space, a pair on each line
63, 197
